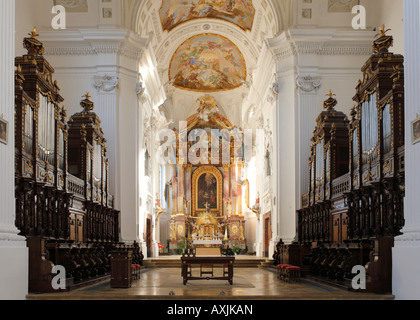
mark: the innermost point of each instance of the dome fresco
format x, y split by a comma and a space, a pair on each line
176, 12
207, 63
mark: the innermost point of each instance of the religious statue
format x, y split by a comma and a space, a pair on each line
173, 232
158, 208
185, 207
207, 206
257, 207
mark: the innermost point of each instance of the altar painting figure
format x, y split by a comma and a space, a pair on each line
207, 192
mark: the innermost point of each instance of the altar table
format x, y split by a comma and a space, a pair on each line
226, 262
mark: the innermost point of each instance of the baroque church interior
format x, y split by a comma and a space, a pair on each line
259, 139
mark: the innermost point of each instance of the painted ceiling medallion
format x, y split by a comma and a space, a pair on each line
208, 63
175, 12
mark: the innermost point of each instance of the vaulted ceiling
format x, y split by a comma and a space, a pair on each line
206, 47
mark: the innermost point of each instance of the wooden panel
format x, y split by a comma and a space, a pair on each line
80, 237
207, 252
72, 227
336, 228
121, 276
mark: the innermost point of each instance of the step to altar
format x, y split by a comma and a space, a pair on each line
175, 262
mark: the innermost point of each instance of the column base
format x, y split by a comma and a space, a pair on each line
406, 259
14, 272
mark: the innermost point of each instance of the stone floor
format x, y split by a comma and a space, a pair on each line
249, 284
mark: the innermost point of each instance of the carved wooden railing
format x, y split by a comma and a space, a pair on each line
340, 186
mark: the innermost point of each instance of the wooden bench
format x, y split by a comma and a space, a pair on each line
281, 271
292, 274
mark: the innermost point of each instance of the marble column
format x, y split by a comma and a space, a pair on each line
181, 188
234, 187
239, 190
13, 251
188, 186
174, 191
226, 182
406, 253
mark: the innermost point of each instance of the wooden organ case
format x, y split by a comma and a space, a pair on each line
350, 217
65, 212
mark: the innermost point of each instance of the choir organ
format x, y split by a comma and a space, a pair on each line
63, 205
354, 208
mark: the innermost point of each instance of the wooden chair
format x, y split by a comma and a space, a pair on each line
281, 271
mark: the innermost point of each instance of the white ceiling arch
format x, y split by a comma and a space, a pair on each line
142, 16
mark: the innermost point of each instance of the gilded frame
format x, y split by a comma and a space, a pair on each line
219, 178
4, 131
416, 131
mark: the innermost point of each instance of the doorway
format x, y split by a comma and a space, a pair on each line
267, 234
149, 237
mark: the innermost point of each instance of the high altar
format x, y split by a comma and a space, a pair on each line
206, 198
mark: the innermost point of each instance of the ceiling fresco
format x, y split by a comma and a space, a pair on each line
175, 12
207, 63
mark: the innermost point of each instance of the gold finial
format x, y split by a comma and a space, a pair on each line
86, 104
34, 34
19, 69
330, 103
382, 31
330, 94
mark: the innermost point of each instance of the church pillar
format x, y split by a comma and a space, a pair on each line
234, 186
181, 188
286, 175
174, 191
240, 199
188, 186
13, 251
406, 253
226, 186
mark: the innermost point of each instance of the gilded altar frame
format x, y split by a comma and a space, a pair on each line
219, 178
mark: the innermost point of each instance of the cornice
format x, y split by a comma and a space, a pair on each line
321, 42
94, 42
